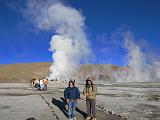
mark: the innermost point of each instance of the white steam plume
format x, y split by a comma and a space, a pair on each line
140, 69
69, 45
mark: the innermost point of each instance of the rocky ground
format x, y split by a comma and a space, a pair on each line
19, 101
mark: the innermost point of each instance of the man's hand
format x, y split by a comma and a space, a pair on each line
67, 100
78, 100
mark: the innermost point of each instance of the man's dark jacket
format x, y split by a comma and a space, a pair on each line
71, 93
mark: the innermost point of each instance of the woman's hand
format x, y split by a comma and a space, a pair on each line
85, 94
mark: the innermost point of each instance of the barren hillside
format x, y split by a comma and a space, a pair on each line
26, 72
23, 72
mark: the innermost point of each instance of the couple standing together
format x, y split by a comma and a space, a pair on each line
72, 96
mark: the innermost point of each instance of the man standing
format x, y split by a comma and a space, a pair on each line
72, 95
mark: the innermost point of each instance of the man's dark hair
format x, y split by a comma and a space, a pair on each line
72, 83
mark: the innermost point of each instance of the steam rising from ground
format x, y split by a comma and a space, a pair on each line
140, 69
69, 43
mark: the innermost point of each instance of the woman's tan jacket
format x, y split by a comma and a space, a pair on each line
89, 92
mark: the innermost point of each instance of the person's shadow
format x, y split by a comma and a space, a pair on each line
61, 105
81, 112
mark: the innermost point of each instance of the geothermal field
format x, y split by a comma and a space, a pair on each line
115, 100
131, 101
134, 101
129, 89
19, 101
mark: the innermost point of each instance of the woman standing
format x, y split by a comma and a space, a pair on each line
45, 82
72, 95
89, 92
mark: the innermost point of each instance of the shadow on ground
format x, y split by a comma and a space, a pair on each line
62, 106
31, 118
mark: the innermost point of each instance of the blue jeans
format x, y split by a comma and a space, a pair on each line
71, 109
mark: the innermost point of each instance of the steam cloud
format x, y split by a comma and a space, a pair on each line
140, 69
69, 45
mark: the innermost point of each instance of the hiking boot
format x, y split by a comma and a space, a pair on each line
88, 118
94, 119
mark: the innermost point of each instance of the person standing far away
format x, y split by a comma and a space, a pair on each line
90, 92
36, 83
41, 85
45, 82
72, 96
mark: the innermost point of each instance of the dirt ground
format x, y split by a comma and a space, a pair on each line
22, 102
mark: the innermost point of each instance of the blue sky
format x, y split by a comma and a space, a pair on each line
20, 42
